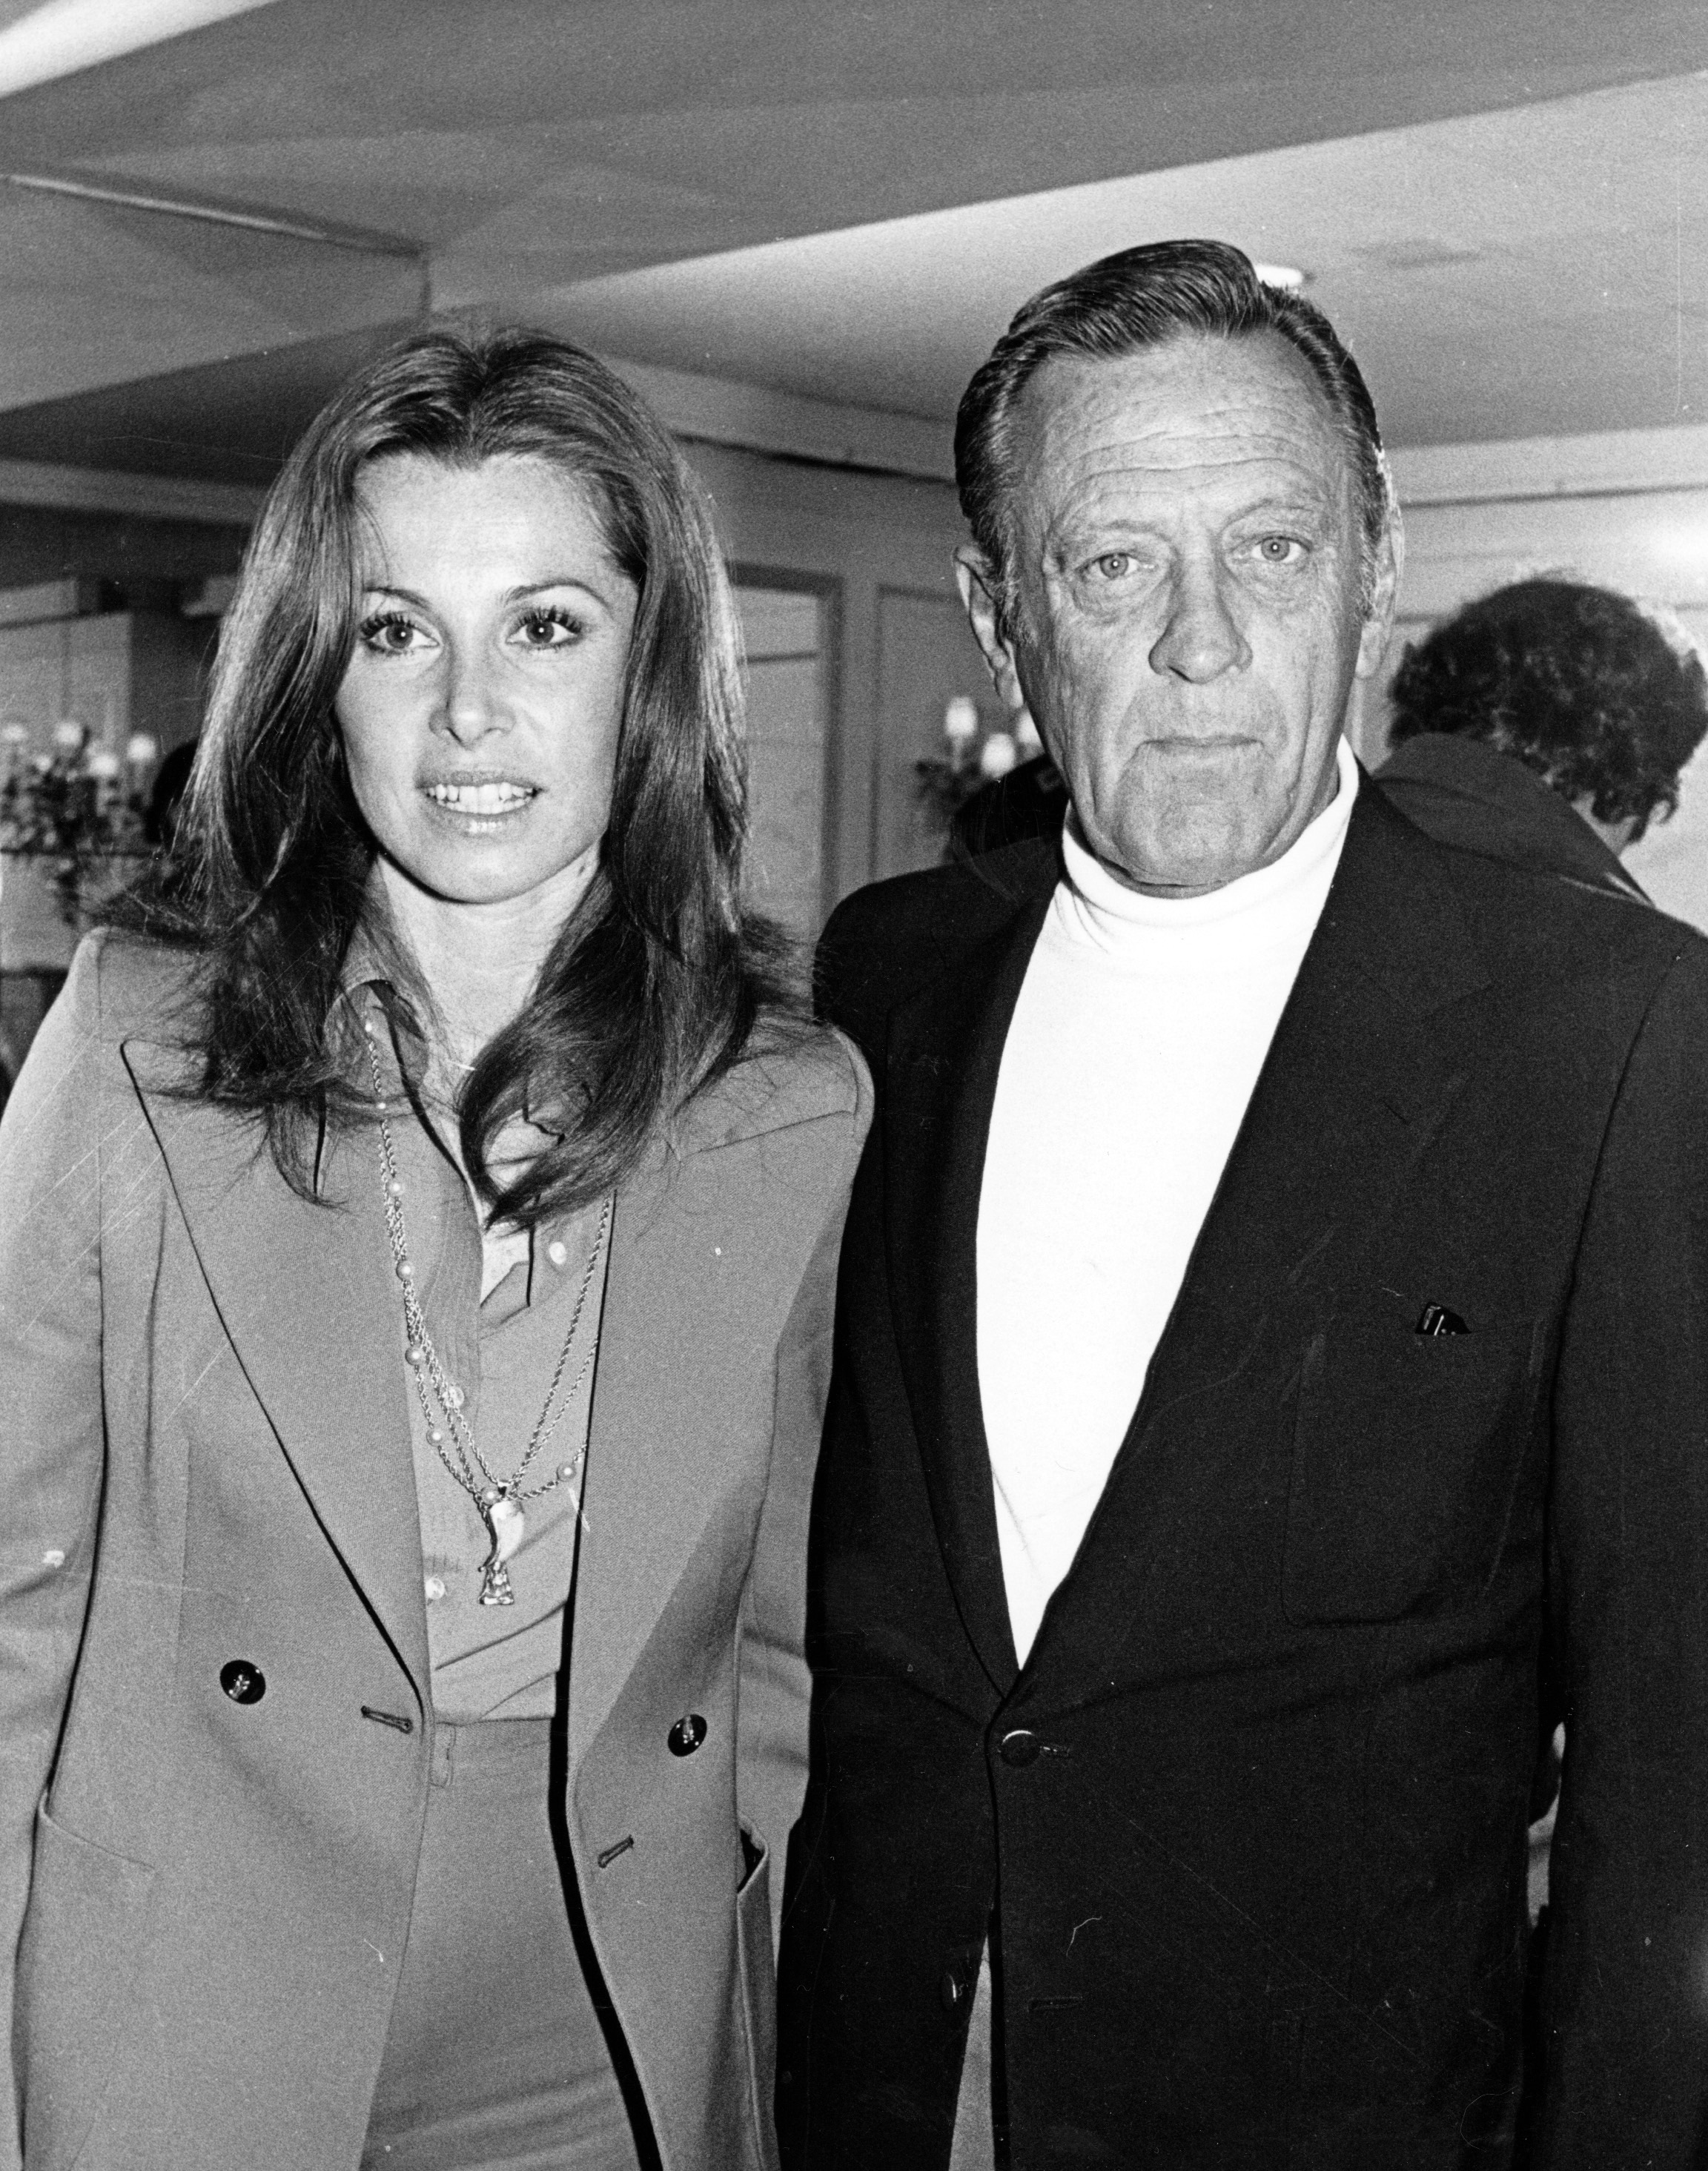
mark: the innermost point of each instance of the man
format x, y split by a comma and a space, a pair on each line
1546, 724
1273, 1289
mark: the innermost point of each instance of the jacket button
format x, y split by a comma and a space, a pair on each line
687, 1735
1021, 1746
243, 1683
952, 1990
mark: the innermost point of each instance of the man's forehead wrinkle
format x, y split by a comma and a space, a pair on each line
1111, 473
1113, 439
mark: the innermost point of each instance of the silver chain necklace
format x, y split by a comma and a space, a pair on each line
500, 1499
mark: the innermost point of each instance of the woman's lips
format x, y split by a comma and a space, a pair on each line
489, 798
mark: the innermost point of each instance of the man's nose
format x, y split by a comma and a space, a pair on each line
1200, 639
474, 704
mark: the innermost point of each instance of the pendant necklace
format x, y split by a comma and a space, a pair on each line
500, 1499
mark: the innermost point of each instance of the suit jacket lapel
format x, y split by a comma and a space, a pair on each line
646, 1498
673, 1324
306, 1293
1365, 1064
939, 1086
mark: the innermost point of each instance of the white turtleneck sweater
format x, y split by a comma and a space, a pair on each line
1141, 1027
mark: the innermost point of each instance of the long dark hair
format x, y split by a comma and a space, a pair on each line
657, 980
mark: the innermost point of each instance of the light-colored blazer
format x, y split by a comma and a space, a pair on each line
204, 1458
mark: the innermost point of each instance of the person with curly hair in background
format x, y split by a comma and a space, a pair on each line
1545, 724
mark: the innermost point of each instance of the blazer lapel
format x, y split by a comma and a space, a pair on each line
645, 1499
939, 1087
674, 1323
1365, 1064
306, 1293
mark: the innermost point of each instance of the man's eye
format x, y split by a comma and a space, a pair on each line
1280, 549
1113, 565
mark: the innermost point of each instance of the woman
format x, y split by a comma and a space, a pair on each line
416, 1254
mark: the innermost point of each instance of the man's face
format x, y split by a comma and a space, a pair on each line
1186, 624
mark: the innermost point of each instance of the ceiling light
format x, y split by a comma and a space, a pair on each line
1282, 274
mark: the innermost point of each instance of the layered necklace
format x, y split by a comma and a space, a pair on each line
500, 1499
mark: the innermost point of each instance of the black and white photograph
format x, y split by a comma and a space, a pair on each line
853, 1085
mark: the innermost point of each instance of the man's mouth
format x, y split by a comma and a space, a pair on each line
491, 796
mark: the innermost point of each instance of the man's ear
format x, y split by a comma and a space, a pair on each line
1378, 622
979, 590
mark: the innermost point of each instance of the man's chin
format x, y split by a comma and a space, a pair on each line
1182, 859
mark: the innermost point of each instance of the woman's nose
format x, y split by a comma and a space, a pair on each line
473, 703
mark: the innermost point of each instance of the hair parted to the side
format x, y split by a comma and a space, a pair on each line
656, 982
1119, 306
1578, 682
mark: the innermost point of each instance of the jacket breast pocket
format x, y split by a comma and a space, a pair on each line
1407, 1449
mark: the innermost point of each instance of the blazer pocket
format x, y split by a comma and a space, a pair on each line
1405, 1451
83, 1932
758, 1971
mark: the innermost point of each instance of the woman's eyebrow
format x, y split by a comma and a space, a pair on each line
561, 581
515, 595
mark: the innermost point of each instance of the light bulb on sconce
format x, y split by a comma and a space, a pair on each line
998, 755
961, 720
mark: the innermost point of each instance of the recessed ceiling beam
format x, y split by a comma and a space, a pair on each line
62, 36
1606, 462
719, 412
107, 489
209, 214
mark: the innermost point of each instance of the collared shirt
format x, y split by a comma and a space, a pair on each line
501, 1349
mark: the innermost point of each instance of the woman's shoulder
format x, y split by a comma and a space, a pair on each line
119, 989
124, 986
792, 1071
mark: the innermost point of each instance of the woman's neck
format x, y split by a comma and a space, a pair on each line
479, 962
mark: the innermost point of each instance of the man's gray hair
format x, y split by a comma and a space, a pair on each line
1139, 299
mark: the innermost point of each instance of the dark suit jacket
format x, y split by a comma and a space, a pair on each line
1255, 1809
1460, 792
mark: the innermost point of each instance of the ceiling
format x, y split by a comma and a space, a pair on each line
1506, 209
1484, 299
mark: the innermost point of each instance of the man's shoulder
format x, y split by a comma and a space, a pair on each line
1551, 941
888, 941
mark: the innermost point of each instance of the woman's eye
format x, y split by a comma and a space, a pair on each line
548, 629
390, 633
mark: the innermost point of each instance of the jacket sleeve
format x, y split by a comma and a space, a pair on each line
775, 1686
52, 1439
1625, 1987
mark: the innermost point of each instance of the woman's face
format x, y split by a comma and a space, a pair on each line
480, 707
